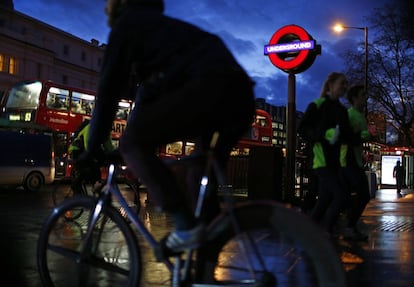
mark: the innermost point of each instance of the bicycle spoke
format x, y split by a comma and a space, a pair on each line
277, 252
65, 252
275, 247
108, 259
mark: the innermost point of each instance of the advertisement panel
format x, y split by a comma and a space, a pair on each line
387, 166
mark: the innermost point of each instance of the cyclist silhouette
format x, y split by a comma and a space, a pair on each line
187, 86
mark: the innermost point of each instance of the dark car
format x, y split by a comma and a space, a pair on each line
26, 156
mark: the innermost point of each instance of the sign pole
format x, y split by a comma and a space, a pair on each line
292, 50
291, 138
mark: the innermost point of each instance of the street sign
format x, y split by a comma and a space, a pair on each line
292, 49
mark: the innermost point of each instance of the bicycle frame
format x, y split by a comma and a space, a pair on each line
111, 189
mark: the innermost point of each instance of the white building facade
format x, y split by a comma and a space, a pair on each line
31, 49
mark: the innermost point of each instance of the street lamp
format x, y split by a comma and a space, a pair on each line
339, 28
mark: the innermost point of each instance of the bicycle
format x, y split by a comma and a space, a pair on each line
62, 190
251, 243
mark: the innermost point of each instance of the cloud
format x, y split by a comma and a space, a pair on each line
83, 19
244, 25
240, 46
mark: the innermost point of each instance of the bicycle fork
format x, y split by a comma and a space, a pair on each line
103, 200
93, 235
87, 244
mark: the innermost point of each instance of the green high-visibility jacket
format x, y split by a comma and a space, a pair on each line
360, 132
318, 125
80, 143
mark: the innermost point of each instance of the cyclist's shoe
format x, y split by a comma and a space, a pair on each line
182, 240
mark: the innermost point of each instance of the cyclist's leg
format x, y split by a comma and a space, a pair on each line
188, 108
147, 130
227, 139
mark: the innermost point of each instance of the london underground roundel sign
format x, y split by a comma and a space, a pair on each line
292, 49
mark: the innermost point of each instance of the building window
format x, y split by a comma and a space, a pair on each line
83, 56
8, 64
2, 63
13, 66
64, 79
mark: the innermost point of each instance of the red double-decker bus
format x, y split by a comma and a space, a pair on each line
60, 107
259, 134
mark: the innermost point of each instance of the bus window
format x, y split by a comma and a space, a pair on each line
261, 121
175, 148
189, 148
57, 99
82, 103
24, 96
259, 134
123, 110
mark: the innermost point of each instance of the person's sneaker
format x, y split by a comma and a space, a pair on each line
181, 240
354, 234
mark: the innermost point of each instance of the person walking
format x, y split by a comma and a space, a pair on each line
354, 172
187, 85
399, 175
325, 124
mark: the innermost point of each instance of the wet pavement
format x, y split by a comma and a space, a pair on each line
388, 255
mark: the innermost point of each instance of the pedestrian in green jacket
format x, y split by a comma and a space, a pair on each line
354, 172
326, 127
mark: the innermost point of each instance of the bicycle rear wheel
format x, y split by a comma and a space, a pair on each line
291, 250
112, 258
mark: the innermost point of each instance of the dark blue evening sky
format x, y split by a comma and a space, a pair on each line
245, 26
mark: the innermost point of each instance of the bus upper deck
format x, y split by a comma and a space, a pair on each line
60, 107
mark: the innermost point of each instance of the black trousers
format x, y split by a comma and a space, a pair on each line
358, 193
193, 111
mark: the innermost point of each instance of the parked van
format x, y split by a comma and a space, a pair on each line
26, 155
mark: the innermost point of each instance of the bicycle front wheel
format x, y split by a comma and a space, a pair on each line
110, 258
274, 246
